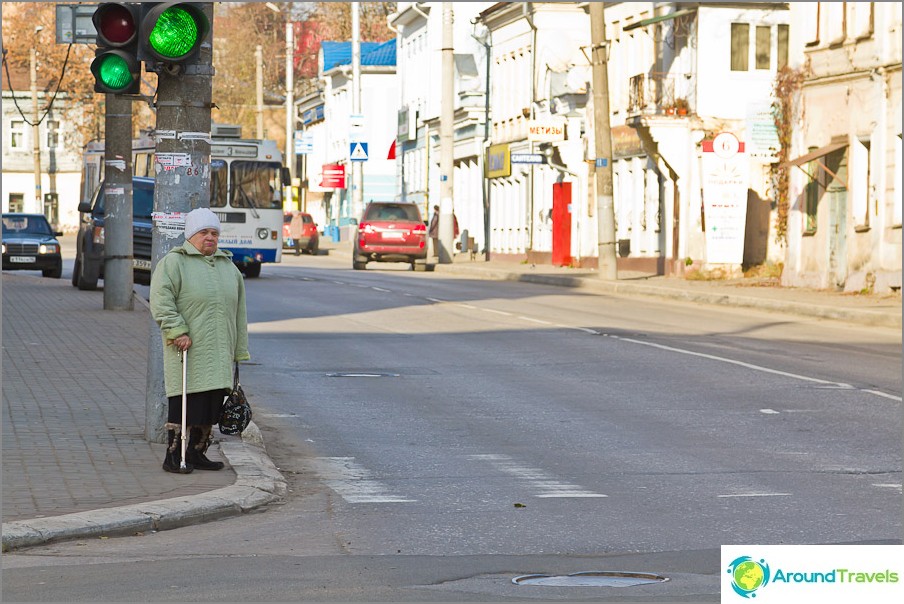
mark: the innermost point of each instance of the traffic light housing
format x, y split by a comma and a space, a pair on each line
171, 33
115, 67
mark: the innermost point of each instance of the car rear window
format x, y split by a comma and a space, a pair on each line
396, 211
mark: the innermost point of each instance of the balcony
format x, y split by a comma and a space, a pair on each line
660, 93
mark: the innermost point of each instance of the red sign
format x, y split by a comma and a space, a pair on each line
333, 176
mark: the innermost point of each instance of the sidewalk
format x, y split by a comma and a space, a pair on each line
75, 459
883, 310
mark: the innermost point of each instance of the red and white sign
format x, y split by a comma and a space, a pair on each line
546, 131
726, 178
333, 176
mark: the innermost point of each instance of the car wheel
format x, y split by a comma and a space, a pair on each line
85, 282
75, 269
253, 270
359, 266
53, 273
312, 249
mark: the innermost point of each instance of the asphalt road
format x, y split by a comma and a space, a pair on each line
443, 436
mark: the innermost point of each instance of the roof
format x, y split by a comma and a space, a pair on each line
372, 53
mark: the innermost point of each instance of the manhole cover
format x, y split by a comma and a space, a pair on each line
361, 374
591, 579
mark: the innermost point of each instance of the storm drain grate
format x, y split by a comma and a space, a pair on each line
361, 374
591, 579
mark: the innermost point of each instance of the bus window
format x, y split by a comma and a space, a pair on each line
218, 183
251, 186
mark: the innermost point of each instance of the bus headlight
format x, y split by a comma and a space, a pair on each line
263, 233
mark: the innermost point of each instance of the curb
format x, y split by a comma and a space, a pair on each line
859, 316
258, 482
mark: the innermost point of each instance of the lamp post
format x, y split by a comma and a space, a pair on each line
290, 87
481, 33
35, 127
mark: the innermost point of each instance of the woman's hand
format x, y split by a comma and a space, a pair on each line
182, 342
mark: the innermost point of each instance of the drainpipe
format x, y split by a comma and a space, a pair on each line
527, 11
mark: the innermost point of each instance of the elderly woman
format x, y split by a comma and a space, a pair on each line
198, 300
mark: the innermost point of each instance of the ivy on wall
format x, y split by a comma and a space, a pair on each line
787, 85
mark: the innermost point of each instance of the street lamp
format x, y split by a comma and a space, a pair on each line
35, 127
290, 88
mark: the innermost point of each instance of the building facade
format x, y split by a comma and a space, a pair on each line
844, 226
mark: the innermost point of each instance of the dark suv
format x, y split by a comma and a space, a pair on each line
391, 232
89, 251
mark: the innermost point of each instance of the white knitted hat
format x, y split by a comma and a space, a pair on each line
200, 218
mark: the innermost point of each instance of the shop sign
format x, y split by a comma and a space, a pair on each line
549, 130
499, 161
333, 176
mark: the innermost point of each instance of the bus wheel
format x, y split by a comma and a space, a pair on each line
253, 270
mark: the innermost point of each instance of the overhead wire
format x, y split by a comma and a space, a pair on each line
55, 92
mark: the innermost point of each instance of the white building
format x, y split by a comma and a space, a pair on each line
336, 135
844, 228
538, 99
680, 74
420, 27
60, 168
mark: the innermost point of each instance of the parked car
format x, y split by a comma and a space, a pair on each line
310, 237
391, 232
89, 250
30, 244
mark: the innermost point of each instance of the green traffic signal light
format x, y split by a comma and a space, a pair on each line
113, 72
175, 33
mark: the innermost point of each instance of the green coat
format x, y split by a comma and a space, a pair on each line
204, 297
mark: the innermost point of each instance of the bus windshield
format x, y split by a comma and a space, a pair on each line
255, 185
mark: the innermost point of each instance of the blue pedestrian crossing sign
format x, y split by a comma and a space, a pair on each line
357, 152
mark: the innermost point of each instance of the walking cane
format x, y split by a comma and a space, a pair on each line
184, 438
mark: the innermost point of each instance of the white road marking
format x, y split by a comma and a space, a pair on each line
380, 289
498, 312
537, 479
532, 320
438, 301
713, 357
769, 411
885, 395
755, 495
889, 485
353, 482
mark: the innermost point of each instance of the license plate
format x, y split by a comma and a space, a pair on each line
393, 235
144, 265
22, 259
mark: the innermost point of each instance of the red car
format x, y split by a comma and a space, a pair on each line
310, 237
390, 232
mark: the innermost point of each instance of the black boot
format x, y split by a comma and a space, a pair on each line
171, 463
199, 440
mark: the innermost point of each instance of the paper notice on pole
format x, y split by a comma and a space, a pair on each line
114, 190
173, 160
164, 134
118, 164
194, 136
169, 224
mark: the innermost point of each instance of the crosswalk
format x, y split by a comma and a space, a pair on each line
357, 484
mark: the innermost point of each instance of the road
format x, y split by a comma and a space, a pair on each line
443, 435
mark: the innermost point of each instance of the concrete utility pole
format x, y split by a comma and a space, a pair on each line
183, 106
446, 143
118, 254
357, 166
605, 203
290, 91
36, 131
259, 79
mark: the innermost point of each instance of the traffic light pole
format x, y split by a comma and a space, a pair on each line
182, 183
118, 277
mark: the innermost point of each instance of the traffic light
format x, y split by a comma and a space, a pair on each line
115, 66
171, 34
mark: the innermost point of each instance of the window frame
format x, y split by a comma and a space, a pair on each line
738, 55
17, 132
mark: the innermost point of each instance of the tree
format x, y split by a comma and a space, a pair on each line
63, 66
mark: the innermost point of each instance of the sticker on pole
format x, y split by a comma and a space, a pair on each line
169, 224
173, 160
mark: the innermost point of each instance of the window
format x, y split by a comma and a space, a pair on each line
740, 46
53, 134
17, 134
17, 202
763, 46
860, 19
811, 23
811, 198
782, 50
860, 183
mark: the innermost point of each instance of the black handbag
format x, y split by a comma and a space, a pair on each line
236, 413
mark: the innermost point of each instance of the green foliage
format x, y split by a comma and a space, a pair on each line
787, 85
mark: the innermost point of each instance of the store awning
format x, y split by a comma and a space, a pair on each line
660, 18
816, 156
